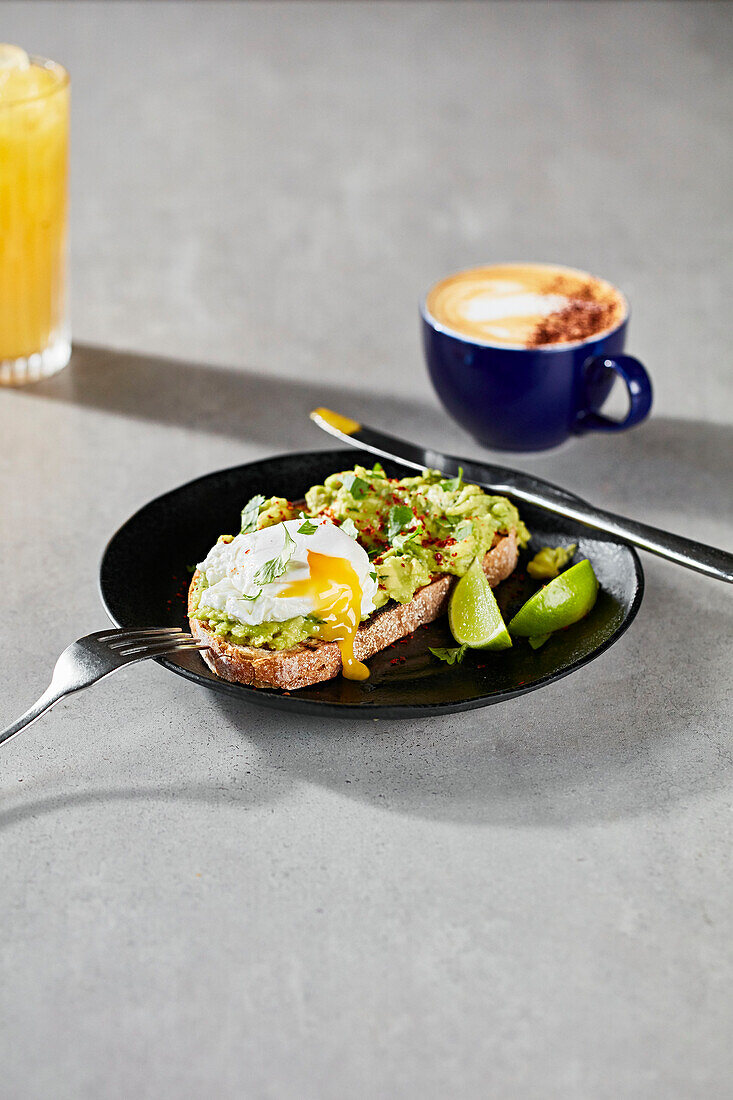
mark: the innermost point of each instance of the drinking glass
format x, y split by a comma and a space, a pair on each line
34, 142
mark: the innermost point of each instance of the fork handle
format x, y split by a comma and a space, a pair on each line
50, 696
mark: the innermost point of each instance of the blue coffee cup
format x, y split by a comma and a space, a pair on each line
530, 398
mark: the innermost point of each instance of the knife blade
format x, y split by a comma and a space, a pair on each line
709, 560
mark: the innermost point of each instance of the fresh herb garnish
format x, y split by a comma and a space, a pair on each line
399, 515
243, 597
275, 567
307, 528
453, 483
355, 485
373, 576
399, 542
463, 530
250, 512
378, 470
349, 528
450, 656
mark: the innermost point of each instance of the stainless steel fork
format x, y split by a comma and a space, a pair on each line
97, 655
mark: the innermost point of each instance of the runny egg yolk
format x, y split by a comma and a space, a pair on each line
334, 588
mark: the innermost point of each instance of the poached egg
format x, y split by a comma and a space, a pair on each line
325, 574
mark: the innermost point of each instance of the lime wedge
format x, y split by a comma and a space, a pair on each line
474, 615
561, 602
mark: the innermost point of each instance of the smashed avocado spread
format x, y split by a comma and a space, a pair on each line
412, 528
549, 561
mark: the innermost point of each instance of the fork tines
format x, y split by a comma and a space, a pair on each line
154, 641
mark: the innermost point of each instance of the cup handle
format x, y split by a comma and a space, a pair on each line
639, 386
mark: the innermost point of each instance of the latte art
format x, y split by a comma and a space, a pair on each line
525, 305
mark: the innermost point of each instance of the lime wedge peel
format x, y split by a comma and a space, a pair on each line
474, 615
562, 602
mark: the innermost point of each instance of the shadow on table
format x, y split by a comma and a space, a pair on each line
243, 797
622, 737
233, 402
682, 463
625, 736
628, 735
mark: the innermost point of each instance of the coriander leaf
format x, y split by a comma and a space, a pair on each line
307, 528
463, 530
399, 542
450, 656
399, 515
373, 576
453, 483
355, 485
275, 567
250, 512
349, 528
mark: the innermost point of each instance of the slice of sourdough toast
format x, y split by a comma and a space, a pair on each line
316, 661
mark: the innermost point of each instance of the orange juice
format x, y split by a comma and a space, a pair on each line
34, 127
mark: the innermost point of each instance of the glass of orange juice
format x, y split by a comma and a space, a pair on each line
34, 143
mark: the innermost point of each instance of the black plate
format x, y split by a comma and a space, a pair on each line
146, 570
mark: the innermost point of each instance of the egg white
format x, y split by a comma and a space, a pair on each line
230, 568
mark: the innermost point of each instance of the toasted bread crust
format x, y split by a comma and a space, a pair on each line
316, 661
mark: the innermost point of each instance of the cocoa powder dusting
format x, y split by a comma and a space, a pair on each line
589, 311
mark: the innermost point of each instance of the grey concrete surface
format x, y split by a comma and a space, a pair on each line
199, 899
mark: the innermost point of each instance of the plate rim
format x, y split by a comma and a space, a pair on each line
366, 710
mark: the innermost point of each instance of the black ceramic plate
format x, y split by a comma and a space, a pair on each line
146, 570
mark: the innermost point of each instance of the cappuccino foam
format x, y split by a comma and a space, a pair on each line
525, 305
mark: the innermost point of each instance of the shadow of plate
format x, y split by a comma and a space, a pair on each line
628, 735
631, 734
